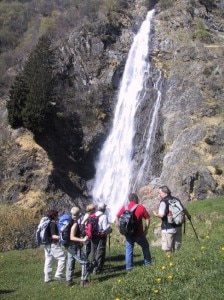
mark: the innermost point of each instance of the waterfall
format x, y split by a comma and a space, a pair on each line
114, 166
148, 138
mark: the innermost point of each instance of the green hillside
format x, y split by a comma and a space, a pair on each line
195, 272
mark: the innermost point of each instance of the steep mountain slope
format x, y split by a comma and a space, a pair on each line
55, 167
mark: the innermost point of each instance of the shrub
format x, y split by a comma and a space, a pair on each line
201, 33
218, 170
165, 4
209, 140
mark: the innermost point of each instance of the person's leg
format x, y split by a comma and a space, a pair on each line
101, 253
129, 253
59, 254
167, 241
144, 244
178, 238
48, 264
88, 248
70, 266
94, 249
82, 259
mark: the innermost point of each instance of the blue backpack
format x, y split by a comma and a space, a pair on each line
64, 227
42, 233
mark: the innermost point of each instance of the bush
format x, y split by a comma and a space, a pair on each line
218, 170
201, 33
165, 4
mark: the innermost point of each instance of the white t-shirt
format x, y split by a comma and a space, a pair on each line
103, 221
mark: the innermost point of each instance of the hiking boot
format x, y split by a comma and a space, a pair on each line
84, 283
70, 283
47, 281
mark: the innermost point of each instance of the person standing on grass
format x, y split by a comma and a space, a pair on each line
171, 233
139, 235
53, 250
75, 252
90, 209
98, 244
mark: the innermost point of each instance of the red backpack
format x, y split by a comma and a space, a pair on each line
92, 227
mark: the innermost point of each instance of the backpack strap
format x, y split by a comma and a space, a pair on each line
132, 209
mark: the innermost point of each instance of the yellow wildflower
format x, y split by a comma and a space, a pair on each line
222, 248
163, 267
170, 277
171, 264
156, 291
158, 280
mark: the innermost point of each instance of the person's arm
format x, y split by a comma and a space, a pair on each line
157, 214
85, 218
161, 210
147, 223
73, 233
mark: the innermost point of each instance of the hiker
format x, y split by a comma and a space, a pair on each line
98, 244
53, 250
171, 232
139, 235
75, 252
90, 208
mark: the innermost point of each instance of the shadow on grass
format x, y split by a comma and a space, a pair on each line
6, 292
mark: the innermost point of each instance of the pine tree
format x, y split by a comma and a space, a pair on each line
18, 95
31, 93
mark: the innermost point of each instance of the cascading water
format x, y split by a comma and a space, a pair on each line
114, 167
148, 139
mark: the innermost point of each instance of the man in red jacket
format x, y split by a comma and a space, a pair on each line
139, 235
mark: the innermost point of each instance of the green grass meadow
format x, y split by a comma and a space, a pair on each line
195, 272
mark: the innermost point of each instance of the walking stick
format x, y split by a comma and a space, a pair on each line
194, 230
109, 251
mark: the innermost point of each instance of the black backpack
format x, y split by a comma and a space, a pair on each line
127, 221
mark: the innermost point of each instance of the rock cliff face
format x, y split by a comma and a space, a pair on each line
53, 169
188, 47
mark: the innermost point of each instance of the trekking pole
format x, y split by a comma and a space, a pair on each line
194, 230
184, 226
109, 251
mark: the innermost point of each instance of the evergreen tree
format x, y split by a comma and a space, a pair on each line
18, 95
30, 95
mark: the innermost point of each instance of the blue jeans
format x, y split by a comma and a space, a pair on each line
143, 243
75, 253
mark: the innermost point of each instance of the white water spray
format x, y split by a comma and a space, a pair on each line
113, 170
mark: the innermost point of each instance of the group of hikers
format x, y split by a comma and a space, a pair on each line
81, 246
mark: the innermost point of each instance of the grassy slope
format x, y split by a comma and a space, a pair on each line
195, 272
